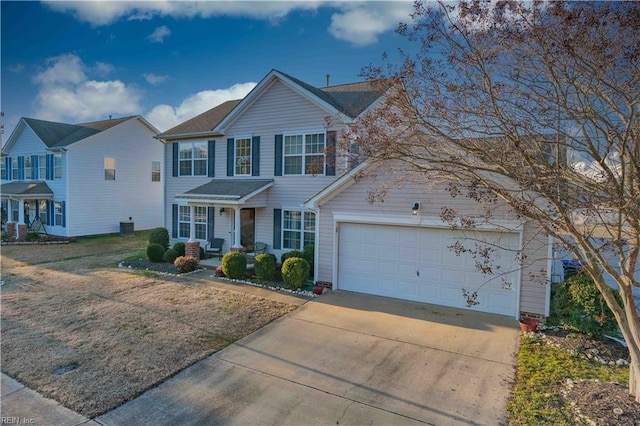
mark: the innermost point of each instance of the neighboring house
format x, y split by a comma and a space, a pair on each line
266, 169
82, 179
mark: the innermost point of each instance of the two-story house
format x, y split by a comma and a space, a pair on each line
82, 179
266, 169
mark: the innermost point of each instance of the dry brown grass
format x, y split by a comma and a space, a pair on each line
124, 330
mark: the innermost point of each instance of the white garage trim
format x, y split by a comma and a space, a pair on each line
427, 224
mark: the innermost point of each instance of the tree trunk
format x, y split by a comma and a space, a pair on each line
634, 379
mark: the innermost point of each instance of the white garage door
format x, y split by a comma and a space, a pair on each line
416, 264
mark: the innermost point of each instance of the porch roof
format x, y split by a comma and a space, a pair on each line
226, 191
26, 190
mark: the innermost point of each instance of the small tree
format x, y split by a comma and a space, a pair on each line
535, 105
159, 236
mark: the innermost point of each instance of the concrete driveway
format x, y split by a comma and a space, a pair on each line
346, 358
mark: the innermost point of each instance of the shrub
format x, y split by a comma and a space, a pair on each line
234, 265
295, 272
578, 304
179, 248
265, 266
159, 236
170, 256
185, 264
32, 236
290, 254
307, 253
155, 252
202, 252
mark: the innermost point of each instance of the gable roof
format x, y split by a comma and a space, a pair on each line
59, 135
26, 189
202, 124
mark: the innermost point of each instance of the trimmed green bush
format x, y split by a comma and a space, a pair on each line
179, 248
159, 236
155, 252
265, 266
201, 252
307, 253
234, 265
578, 304
185, 264
295, 272
170, 256
32, 236
290, 254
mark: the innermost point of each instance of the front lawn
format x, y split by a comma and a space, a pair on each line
116, 332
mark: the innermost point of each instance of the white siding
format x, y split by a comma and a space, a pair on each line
96, 205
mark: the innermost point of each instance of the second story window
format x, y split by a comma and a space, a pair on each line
193, 158
14, 168
304, 154
57, 166
155, 171
42, 167
27, 168
243, 157
3, 169
109, 168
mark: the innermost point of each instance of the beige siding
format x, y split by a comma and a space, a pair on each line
397, 204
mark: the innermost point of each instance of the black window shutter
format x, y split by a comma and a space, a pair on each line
50, 172
330, 154
278, 157
175, 159
210, 219
174, 220
277, 228
7, 168
211, 159
255, 156
64, 214
230, 155
21, 167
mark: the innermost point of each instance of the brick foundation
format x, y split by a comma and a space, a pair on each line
11, 229
238, 249
22, 232
192, 249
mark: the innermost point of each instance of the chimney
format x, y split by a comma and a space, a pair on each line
327, 77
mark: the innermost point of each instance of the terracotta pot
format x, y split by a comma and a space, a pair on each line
317, 289
528, 325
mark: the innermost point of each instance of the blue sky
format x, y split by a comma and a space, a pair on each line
169, 61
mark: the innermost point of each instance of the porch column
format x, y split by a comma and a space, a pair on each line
192, 223
236, 240
21, 211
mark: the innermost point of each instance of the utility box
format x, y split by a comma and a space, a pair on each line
126, 229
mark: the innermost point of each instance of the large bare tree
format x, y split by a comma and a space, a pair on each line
536, 104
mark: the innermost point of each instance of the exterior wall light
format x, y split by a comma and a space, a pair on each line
221, 210
415, 208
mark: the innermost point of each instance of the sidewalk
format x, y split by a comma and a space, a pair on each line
21, 405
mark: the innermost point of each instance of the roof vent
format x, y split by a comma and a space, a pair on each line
327, 77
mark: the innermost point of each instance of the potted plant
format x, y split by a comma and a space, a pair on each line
528, 325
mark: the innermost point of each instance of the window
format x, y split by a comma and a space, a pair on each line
304, 154
3, 169
27, 168
243, 157
57, 166
298, 229
14, 168
58, 213
42, 167
184, 222
155, 171
109, 168
193, 158
42, 211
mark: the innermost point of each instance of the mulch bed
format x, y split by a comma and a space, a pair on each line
147, 265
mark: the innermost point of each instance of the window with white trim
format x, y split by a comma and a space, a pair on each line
27, 168
155, 171
42, 167
242, 154
200, 219
3, 168
192, 157
57, 166
109, 168
298, 229
184, 222
58, 213
14, 168
304, 154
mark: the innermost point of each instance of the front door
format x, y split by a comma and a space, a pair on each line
247, 228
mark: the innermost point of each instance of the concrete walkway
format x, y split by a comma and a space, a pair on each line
342, 358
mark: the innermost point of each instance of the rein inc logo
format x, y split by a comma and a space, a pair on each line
17, 421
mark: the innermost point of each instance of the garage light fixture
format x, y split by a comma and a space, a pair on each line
415, 208
221, 211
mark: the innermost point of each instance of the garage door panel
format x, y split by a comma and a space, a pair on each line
416, 264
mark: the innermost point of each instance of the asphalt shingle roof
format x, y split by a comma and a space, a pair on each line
229, 188
56, 135
25, 188
204, 122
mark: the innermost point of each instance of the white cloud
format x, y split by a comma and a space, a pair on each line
66, 93
155, 79
360, 23
16, 68
103, 69
165, 116
158, 35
